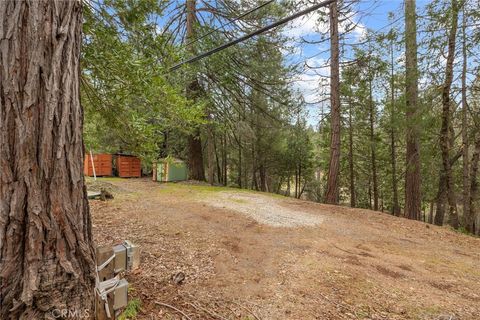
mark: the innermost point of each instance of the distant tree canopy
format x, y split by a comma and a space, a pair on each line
239, 117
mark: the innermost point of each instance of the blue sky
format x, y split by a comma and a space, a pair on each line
373, 15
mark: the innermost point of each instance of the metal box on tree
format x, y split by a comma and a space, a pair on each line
120, 258
120, 295
133, 255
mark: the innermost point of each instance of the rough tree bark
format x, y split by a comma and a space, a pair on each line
46, 248
195, 152
412, 175
446, 189
331, 192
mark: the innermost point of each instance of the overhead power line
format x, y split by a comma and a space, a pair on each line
229, 22
253, 34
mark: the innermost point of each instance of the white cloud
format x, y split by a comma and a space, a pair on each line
310, 81
318, 22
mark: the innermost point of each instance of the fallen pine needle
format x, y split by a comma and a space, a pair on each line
211, 313
173, 308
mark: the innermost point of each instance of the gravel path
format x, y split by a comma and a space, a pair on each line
263, 209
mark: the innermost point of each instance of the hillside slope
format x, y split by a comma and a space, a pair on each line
249, 255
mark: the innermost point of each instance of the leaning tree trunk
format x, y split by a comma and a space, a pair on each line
413, 197
46, 248
331, 192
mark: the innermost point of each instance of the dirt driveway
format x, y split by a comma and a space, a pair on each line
256, 256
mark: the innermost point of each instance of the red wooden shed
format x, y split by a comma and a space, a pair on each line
101, 162
128, 166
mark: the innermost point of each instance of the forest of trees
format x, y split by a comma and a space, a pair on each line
402, 136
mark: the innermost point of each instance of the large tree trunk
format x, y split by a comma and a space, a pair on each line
412, 175
446, 191
195, 152
331, 192
46, 247
195, 157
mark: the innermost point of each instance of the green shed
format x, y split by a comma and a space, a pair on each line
169, 170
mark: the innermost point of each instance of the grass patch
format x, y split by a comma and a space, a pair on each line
107, 179
172, 187
205, 189
131, 310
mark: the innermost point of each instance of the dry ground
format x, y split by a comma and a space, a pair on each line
255, 256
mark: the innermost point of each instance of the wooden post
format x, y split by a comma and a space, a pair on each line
103, 254
154, 171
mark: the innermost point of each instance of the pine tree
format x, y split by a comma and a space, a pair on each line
412, 175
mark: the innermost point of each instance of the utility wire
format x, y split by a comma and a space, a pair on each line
252, 34
227, 23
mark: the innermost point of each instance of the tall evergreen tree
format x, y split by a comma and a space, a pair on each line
413, 197
332, 188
